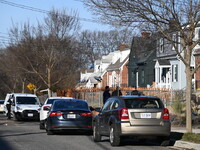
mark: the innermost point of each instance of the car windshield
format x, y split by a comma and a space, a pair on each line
1, 102
50, 101
143, 103
70, 105
27, 100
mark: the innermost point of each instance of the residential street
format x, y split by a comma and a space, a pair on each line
26, 135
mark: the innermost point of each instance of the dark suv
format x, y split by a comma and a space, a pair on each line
137, 116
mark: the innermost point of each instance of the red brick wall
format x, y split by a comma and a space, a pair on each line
197, 61
104, 81
124, 76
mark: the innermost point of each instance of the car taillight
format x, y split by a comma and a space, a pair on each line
88, 114
53, 114
123, 113
165, 113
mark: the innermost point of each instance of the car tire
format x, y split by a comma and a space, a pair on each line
16, 117
164, 141
114, 136
49, 132
96, 135
42, 125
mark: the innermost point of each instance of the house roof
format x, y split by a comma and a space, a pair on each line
163, 62
117, 64
145, 57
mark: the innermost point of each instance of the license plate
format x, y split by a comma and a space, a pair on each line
145, 115
71, 116
30, 115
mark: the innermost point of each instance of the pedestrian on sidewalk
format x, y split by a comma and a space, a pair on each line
106, 94
8, 106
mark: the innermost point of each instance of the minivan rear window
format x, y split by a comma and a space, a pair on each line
143, 103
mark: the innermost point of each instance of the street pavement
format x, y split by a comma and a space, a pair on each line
183, 144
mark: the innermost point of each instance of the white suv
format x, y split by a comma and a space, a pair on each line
46, 107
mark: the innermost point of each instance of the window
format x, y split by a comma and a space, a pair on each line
27, 100
142, 75
143, 103
107, 105
174, 38
174, 73
114, 105
199, 35
161, 45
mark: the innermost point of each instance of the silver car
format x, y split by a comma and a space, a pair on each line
137, 116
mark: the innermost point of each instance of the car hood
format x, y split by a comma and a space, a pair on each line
28, 107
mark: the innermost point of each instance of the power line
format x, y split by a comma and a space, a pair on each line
39, 10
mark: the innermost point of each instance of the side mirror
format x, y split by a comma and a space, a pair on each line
98, 109
46, 108
41, 104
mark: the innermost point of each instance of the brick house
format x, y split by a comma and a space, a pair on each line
109, 70
197, 74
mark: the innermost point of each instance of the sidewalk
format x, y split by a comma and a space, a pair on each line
184, 144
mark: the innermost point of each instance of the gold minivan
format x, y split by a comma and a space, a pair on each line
132, 116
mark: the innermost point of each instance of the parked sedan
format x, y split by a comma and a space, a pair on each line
46, 107
140, 117
1, 106
69, 114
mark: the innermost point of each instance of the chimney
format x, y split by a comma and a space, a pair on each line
145, 34
122, 47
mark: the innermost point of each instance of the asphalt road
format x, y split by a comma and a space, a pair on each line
26, 135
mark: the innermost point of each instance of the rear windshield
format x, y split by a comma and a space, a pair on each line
70, 105
1, 102
50, 101
27, 100
143, 103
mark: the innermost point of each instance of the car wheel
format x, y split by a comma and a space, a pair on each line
164, 141
114, 136
49, 132
42, 125
16, 117
96, 135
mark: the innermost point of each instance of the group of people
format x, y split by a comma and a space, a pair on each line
106, 93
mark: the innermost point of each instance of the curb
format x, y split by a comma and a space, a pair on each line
188, 145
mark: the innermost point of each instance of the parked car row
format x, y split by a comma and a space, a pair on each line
135, 116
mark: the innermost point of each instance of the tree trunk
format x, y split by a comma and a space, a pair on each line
188, 100
49, 82
23, 86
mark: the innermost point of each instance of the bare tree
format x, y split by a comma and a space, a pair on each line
160, 16
98, 43
48, 52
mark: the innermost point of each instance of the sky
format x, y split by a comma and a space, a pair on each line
12, 13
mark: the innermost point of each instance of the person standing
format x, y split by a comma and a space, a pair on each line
117, 92
8, 106
106, 94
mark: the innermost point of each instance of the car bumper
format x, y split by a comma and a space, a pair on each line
29, 114
127, 129
65, 125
